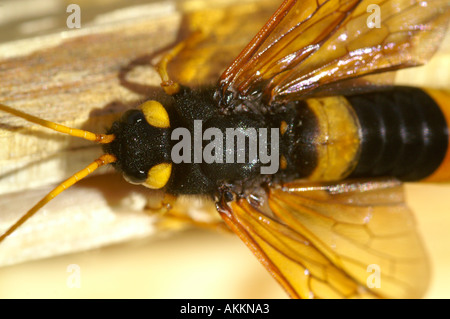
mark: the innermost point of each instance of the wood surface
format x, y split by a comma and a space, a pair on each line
86, 78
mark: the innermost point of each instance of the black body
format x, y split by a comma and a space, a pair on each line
403, 134
137, 151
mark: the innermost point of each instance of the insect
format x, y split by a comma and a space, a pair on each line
328, 212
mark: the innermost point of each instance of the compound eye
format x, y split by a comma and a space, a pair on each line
138, 177
155, 114
158, 176
133, 117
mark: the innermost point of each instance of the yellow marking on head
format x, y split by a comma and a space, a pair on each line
155, 114
158, 176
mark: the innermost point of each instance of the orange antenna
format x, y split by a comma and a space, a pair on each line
100, 138
102, 160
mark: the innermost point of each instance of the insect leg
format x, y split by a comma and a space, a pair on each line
160, 204
174, 212
169, 86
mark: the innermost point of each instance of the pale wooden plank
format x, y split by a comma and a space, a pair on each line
86, 92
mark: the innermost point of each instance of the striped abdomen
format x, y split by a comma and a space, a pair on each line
401, 133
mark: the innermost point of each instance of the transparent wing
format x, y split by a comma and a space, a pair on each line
346, 240
307, 44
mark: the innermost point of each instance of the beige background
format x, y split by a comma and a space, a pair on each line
194, 263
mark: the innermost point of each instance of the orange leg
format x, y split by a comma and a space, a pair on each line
175, 215
169, 86
160, 204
